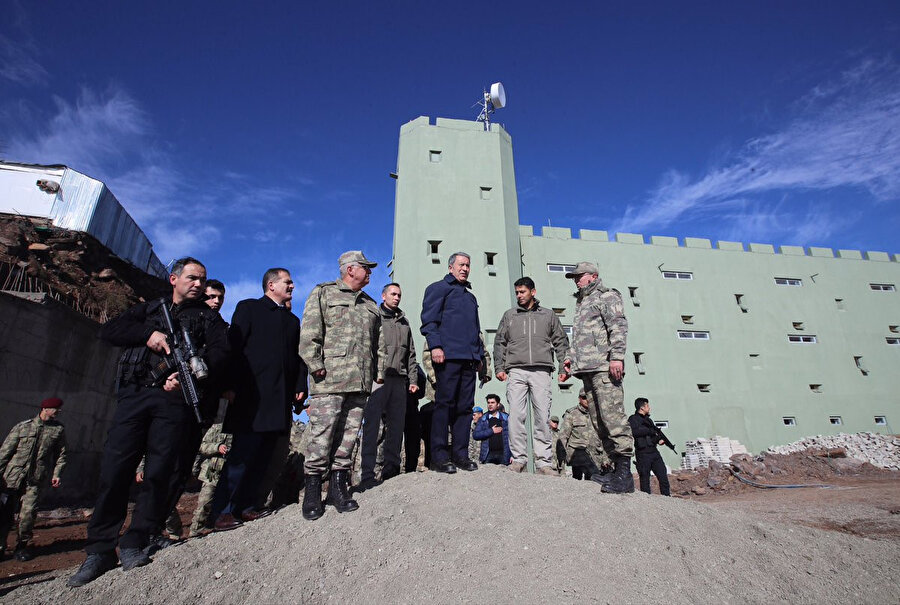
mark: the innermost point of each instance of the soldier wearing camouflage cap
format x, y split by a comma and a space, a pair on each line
597, 356
342, 343
34, 450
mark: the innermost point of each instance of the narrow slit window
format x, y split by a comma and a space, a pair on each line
434, 155
565, 386
883, 287
809, 339
633, 293
835, 420
839, 303
894, 329
741, 302
798, 325
692, 335
788, 281
703, 388
559, 311
861, 365
560, 268
880, 420
433, 246
815, 388
894, 342
490, 262
684, 275
486, 193
639, 362
789, 421
687, 319
661, 424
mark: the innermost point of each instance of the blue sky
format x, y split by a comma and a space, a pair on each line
257, 135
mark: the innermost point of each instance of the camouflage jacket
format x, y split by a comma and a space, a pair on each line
213, 461
599, 330
576, 431
342, 334
484, 374
32, 448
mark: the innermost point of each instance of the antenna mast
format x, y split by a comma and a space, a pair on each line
491, 101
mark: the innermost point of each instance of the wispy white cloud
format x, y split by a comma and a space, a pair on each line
843, 133
19, 64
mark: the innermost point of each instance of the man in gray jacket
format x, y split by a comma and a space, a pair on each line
388, 403
527, 339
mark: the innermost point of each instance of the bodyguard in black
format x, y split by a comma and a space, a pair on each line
646, 440
151, 418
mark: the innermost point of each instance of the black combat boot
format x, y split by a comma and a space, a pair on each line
23, 552
339, 493
312, 498
622, 481
603, 476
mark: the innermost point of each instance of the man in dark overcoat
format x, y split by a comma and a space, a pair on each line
269, 379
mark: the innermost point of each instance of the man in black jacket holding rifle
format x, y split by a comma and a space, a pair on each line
646, 437
151, 418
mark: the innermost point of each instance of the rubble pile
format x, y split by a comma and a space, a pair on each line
699, 452
882, 451
71, 267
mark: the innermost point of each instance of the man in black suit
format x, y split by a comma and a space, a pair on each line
269, 377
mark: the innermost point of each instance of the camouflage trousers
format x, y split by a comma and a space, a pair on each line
606, 407
334, 421
27, 497
204, 506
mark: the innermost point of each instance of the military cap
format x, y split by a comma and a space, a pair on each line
51, 402
355, 257
582, 268
478, 409
554, 419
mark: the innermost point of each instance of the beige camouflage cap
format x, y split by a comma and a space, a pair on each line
582, 268
554, 419
355, 257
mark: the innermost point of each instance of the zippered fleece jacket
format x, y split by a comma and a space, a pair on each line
529, 337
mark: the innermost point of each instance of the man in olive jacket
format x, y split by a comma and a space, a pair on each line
528, 338
342, 343
33, 450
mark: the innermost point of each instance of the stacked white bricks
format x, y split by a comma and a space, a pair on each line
882, 451
699, 452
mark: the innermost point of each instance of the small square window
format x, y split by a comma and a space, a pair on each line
559, 311
739, 299
661, 424
486, 193
894, 329
880, 420
703, 388
687, 319
789, 421
632, 292
434, 155
798, 325
835, 420
839, 303
883, 287
639, 362
892, 341
788, 281
815, 388
565, 386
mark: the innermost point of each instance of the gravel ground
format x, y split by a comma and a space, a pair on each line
500, 537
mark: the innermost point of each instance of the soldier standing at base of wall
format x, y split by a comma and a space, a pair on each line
597, 357
342, 343
29, 451
647, 437
579, 445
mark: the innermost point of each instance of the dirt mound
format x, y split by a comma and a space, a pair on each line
501, 537
72, 267
809, 467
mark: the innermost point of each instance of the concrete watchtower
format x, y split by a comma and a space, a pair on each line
456, 191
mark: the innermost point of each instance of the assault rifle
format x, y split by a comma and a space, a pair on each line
185, 359
660, 436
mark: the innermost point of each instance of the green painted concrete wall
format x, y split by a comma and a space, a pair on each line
756, 376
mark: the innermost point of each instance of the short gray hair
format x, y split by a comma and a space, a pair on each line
454, 255
179, 265
273, 274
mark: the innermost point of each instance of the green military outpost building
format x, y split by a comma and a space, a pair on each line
754, 343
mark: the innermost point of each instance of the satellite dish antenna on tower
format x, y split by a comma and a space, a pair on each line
495, 99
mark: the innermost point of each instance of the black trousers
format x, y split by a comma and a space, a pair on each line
454, 398
652, 461
184, 466
146, 420
582, 465
244, 470
412, 434
387, 404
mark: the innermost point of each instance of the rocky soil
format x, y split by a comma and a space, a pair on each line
495, 536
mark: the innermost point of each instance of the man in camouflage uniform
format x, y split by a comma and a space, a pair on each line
213, 449
342, 343
32, 448
558, 465
578, 443
597, 356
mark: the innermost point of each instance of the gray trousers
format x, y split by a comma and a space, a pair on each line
520, 383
